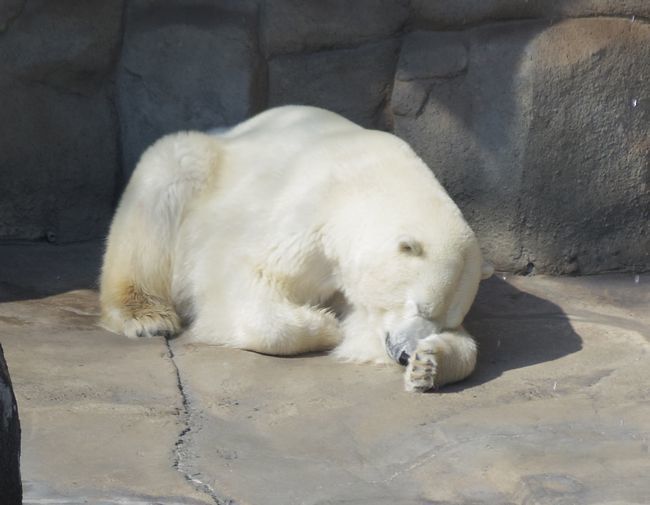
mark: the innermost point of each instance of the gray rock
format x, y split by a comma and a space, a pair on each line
58, 142
542, 139
291, 26
9, 11
10, 485
353, 82
427, 55
456, 13
585, 197
185, 65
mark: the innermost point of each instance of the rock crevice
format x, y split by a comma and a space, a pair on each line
183, 454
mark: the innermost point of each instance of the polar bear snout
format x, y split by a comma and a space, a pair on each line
403, 340
398, 350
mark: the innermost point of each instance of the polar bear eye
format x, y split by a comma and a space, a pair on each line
410, 246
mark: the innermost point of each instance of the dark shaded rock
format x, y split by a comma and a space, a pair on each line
542, 139
185, 65
353, 82
10, 484
9, 11
291, 26
58, 143
26, 270
427, 55
425, 59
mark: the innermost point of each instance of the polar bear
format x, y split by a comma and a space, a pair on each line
252, 237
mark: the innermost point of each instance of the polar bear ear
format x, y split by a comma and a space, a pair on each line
410, 246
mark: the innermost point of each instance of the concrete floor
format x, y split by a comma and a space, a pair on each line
557, 412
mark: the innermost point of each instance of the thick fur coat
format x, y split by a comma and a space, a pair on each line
248, 238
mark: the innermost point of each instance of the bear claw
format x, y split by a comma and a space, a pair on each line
420, 373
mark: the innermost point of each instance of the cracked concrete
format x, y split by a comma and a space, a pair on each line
558, 411
183, 453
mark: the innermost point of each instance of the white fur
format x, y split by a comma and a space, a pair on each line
248, 234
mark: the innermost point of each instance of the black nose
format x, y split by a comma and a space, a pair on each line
396, 351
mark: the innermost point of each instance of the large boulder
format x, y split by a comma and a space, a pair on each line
58, 136
11, 490
540, 133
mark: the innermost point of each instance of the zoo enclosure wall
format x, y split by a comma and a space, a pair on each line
534, 115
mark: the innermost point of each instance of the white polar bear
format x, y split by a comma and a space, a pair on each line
248, 237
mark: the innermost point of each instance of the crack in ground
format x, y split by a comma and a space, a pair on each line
182, 454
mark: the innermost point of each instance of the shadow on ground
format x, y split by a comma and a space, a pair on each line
515, 329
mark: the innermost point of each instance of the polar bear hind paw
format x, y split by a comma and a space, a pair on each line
420, 374
152, 324
139, 315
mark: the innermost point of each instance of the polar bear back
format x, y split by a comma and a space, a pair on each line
297, 186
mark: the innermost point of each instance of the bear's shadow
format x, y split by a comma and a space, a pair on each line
514, 329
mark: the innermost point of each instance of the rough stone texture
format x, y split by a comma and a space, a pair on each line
291, 26
9, 11
10, 484
540, 134
356, 83
557, 412
589, 134
58, 139
445, 14
534, 114
185, 65
429, 55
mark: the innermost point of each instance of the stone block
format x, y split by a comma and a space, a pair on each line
542, 139
185, 65
356, 83
10, 484
291, 26
58, 142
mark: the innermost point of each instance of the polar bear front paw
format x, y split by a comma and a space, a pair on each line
420, 374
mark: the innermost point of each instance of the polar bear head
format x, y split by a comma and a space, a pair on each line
406, 257
414, 275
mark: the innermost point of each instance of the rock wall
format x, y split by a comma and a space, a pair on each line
534, 114
10, 485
